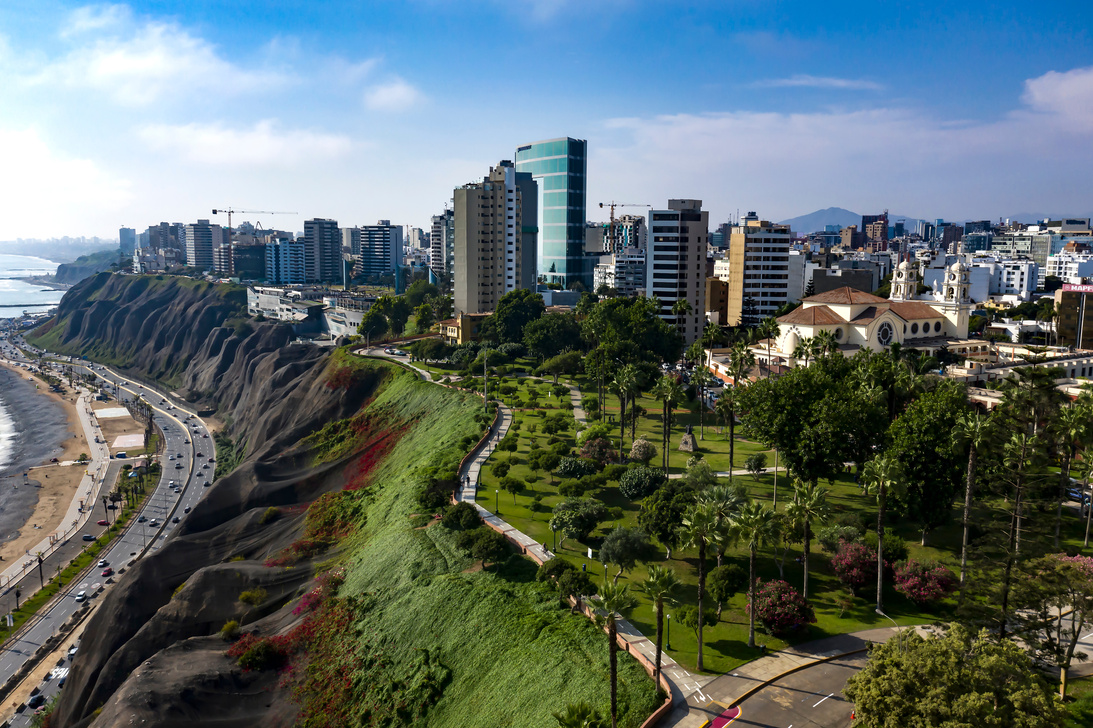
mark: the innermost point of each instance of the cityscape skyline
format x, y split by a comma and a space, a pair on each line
107, 115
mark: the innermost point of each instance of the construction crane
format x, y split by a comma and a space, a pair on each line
231, 212
611, 246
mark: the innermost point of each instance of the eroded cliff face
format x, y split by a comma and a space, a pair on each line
152, 652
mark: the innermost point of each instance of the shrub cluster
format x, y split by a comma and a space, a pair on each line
924, 582
855, 565
781, 608
576, 468
636, 483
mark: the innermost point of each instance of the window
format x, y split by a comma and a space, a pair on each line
914, 328
937, 326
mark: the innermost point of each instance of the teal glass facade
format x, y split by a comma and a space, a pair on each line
559, 166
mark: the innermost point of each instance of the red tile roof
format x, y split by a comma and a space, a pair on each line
845, 295
812, 316
909, 310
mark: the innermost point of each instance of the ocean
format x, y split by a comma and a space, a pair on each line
17, 296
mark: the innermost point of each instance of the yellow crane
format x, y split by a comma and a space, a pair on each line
610, 246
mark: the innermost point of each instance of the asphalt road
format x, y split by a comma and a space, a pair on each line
811, 698
187, 439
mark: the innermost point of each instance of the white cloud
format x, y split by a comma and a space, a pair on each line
139, 63
802, 80
396, 95
262, 145
51, 192
782, 164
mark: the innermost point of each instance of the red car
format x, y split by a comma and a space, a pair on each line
107, 571
102, 521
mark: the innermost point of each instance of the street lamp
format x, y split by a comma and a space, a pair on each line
496, 499
669, 635
899, 632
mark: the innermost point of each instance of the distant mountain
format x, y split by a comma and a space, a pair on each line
817, 221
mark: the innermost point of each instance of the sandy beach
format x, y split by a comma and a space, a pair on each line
49, 428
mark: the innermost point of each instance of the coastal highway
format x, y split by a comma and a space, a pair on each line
188, 466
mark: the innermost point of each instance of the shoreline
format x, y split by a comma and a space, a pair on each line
29, 511
44, 281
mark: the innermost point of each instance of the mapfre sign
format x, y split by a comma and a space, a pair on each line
1078, 288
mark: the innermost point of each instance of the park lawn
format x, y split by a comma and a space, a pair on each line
837, 610
1080, 691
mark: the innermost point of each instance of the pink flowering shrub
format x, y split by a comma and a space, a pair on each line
924, 582
1084, 564
855, 565
780, 608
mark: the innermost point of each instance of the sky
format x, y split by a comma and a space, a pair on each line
130, 114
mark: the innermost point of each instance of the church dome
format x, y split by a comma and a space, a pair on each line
905, 265
958, 267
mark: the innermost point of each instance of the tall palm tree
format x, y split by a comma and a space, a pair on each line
612, 601
659, 585
882, 475
974, 431
724, 502
726, 410
809, 505
756, 526
699, 527
1070, 428
580, 715
741, 361
681, 308
669, 392
625, 384
702, 379
769, 330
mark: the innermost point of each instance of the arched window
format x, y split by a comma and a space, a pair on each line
914, 328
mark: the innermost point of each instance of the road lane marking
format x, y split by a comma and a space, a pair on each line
822, 700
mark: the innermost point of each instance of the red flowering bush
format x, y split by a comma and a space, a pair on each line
780, 607
924, 582
855, 565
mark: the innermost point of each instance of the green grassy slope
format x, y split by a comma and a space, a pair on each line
514, 654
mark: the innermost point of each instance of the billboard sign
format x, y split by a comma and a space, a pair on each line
1078, 288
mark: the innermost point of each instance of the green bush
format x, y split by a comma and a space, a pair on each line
636, 483
462, 517
553, 569
895, 549
230, 630
262, 656
831, 536
613, 472
253, 597
572, 488
271, 514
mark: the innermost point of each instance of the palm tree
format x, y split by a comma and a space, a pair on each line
580, 715
612, 600
769, 330
681, 308
625, 384
809, 505
881, 475
826, 342
756, 525
659, 585
699, 526
741, 361
975, 431
669, 392
1070, 427
702, 379
724, 502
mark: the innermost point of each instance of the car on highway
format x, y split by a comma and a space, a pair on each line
101, 522
142, 519
186, 509
176, 519
103, 562
36, 701
88, 537
81, 596
205, 466
178, 466
107, 571
206, 484
206, 436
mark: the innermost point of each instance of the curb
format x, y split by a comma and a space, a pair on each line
766, 683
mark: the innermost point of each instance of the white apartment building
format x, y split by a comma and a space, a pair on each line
623, 271
676, 263
1008, 276
200, 240
1069, 266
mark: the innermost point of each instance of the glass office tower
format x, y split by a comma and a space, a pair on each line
559, 166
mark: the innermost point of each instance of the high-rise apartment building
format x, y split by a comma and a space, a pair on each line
623, 271
629, 232
875, 228
495, 238
759, 276
286, 261
200, 240
378, 251
676, 263
127, 240
559, 166
442, 248
323, 261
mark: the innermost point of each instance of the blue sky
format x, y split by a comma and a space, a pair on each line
132, 114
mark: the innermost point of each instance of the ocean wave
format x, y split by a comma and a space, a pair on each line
7, 435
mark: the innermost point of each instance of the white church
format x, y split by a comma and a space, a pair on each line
860, 320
